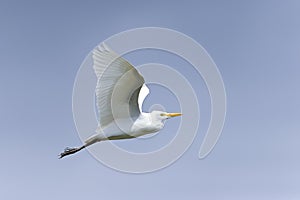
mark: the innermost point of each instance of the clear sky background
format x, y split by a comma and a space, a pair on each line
256, 46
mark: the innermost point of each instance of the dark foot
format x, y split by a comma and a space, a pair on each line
69, 151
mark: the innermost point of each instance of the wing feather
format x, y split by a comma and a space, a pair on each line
118, 86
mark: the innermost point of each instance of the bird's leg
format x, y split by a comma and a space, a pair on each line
69, 151
91, 140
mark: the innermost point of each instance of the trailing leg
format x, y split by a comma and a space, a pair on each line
91, 140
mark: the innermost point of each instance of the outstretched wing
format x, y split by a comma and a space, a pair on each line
118, 87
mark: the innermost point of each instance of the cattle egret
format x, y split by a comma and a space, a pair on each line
120, 93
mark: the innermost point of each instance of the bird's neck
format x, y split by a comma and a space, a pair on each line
157, 123
145, 124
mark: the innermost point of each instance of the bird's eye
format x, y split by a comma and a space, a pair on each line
162, 114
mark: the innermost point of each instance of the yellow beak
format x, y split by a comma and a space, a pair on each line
173, 114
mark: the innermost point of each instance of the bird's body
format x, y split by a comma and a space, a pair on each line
146, 123
120, 93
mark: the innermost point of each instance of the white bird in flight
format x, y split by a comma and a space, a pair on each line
120, 93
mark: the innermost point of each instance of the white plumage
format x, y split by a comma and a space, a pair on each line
120, 93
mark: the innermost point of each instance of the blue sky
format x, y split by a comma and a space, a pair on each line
256, 46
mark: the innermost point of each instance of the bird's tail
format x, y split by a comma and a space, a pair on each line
93, 139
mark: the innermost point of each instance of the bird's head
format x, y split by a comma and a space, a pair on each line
162, 116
